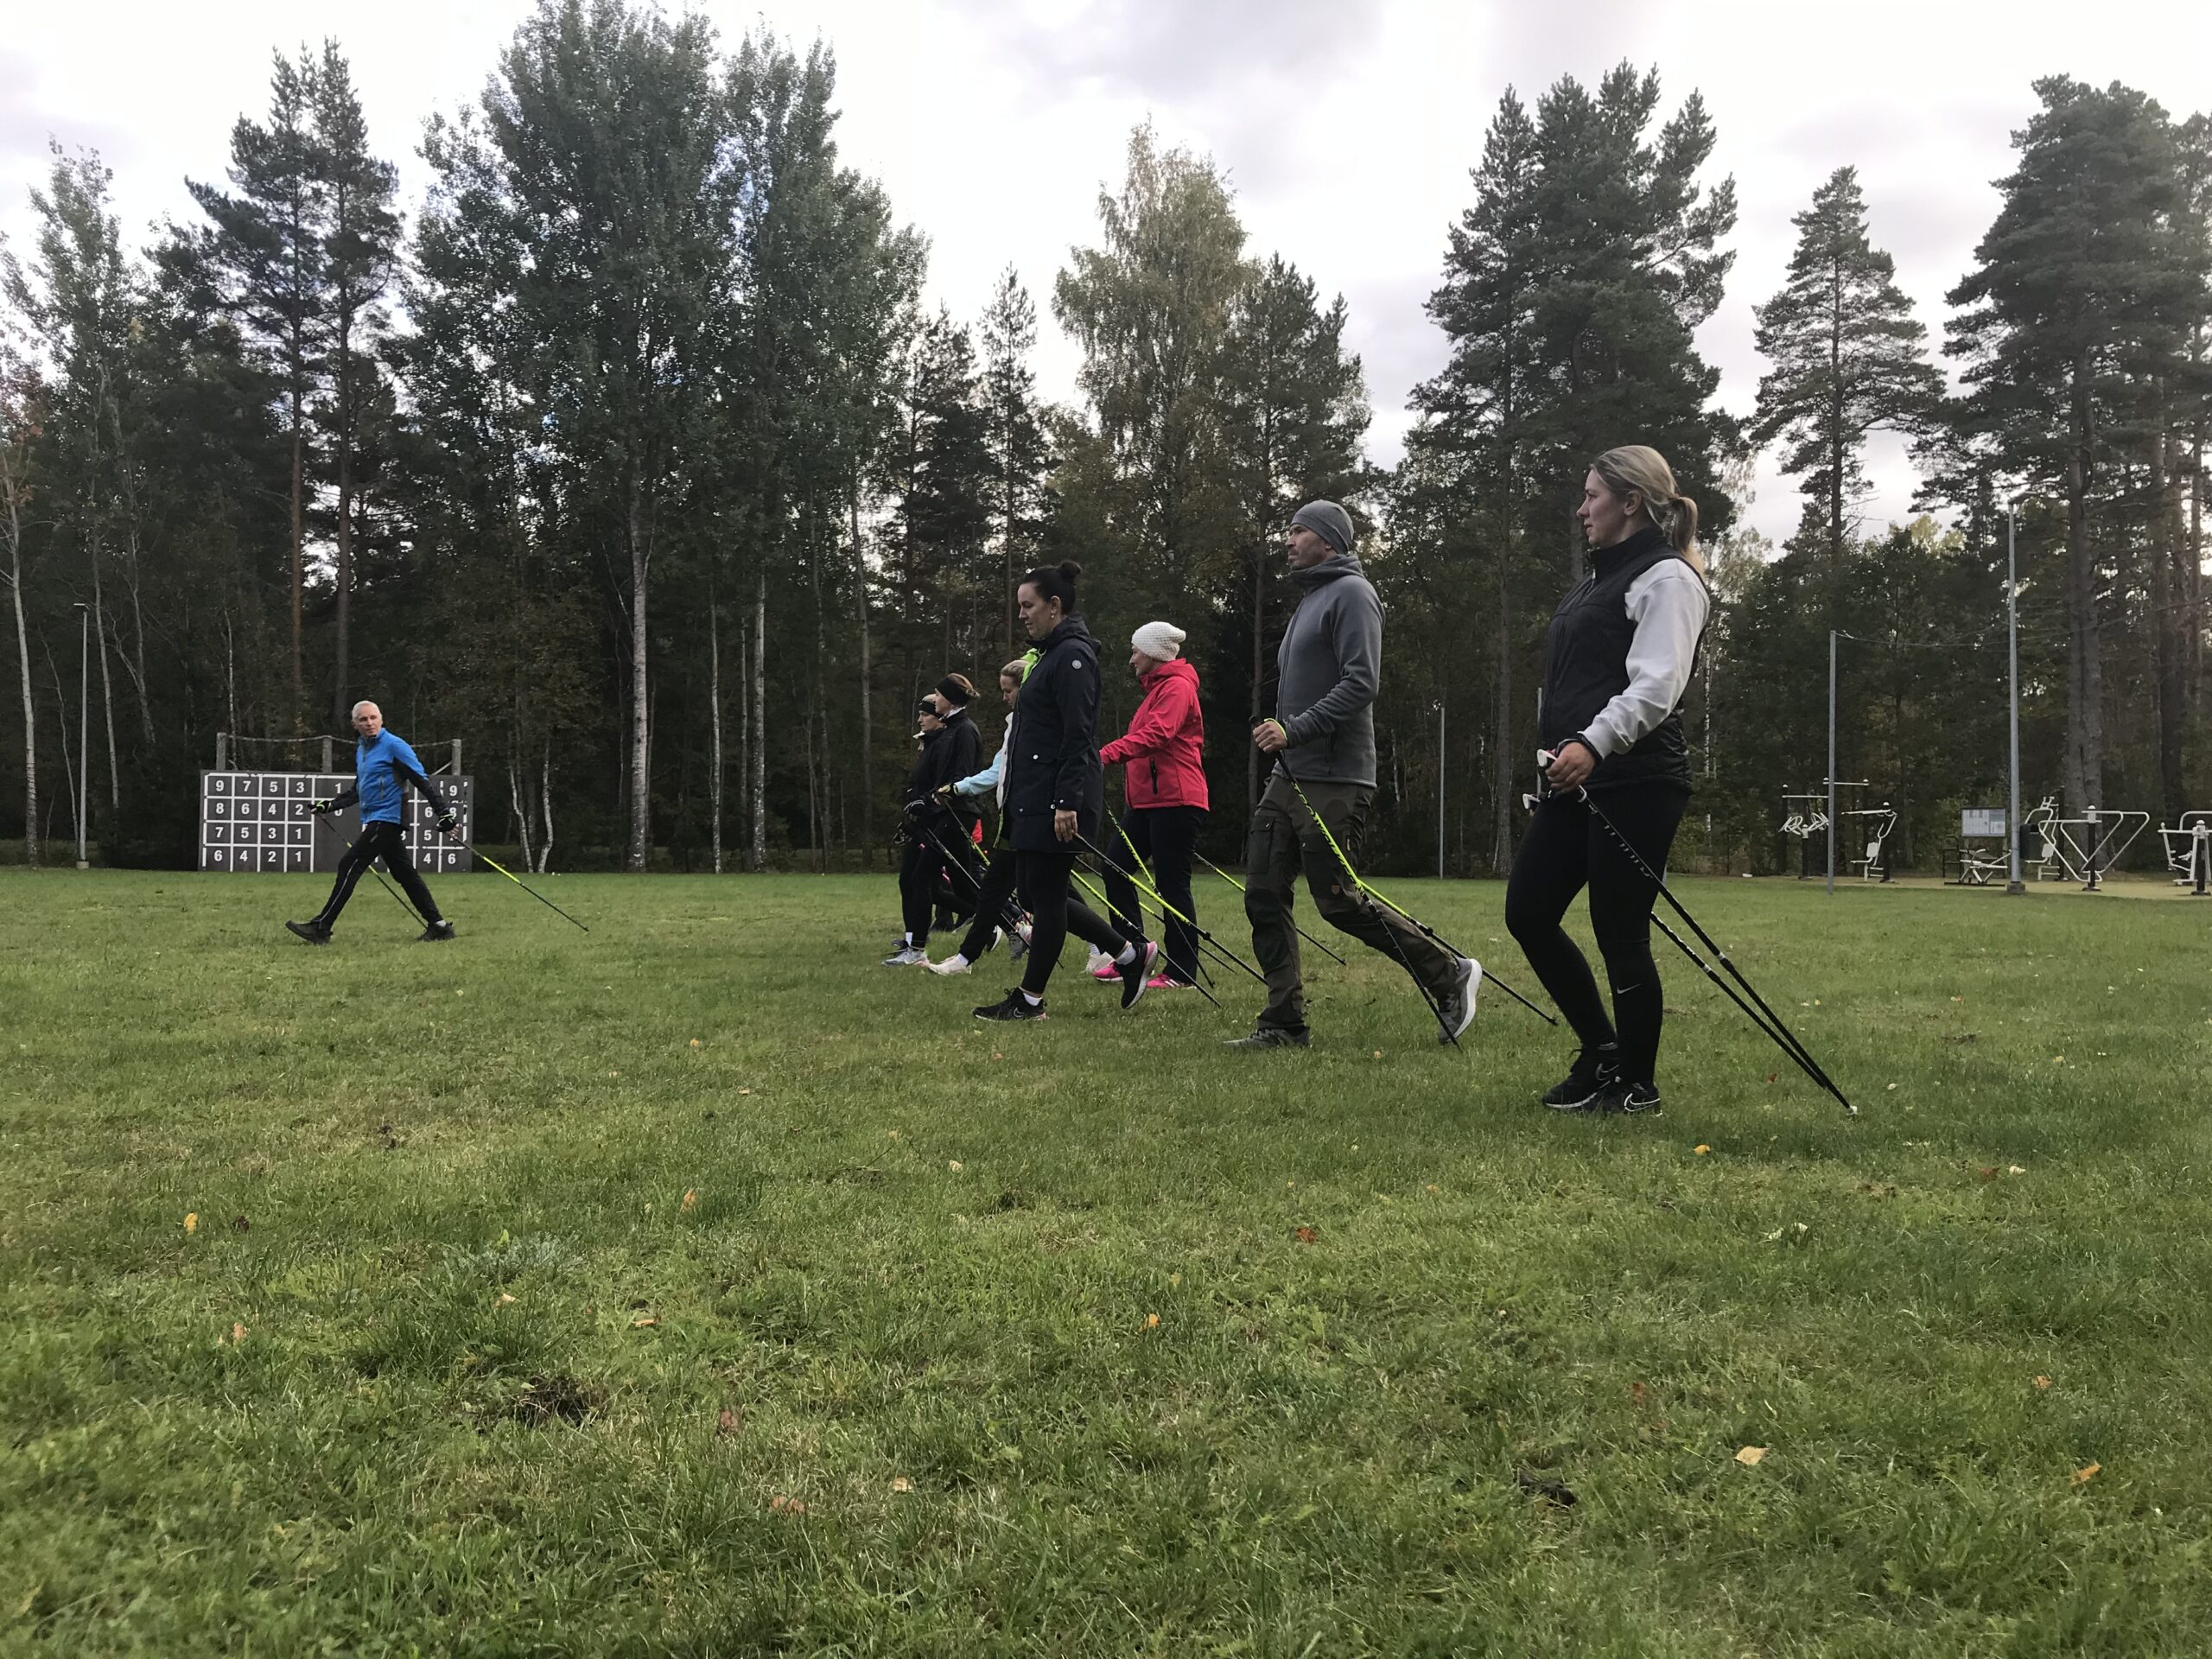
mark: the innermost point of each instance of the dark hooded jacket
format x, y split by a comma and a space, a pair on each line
1051, 744
948, 753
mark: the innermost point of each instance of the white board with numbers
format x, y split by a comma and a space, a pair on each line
260, 821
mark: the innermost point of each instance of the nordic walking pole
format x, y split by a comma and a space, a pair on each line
470, 847
1783, 1038
1137, 880
1428, 996
1411, 919
1239, 886
386, 886
1090, 887
1137, 865
972, 879
1205, 942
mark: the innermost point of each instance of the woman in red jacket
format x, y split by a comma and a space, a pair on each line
1164, 789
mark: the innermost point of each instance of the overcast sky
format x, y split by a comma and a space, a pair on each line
1347, 126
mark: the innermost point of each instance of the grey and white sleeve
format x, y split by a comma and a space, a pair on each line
1668, 603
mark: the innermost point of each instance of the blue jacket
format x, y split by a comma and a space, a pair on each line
383, 764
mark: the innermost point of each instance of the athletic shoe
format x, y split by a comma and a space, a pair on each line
1167, 982
1622, 1095
906, 956
1271, 1036
1107, 972
1099, 965
1458, 1003
955, 963
435, 933
1018, 946
1014, 1006
1593, 1070
1136, 978
313, 932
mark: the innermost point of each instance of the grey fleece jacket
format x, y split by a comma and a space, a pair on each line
1328, 669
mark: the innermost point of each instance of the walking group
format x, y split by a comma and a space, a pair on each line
1615, 780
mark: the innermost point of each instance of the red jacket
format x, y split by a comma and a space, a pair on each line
1165, 745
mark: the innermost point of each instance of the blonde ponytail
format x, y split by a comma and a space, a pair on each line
1639, 469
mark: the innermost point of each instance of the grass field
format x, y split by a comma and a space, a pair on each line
698, 1286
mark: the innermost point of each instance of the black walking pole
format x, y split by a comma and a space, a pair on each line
1783, 1038
1239, 886
1007, 920
1412, 920
1137, 880
470, 847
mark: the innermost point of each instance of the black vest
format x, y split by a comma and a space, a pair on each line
1585, 665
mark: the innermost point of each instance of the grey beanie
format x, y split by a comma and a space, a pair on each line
1328, 521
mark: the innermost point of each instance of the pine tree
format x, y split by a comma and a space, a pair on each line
2086, 287
1014, 433
264, 258
1848, 358
360, 251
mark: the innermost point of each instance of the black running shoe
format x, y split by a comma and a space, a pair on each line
435, 933
1015, 1006
1593, 1070
1622, 1095
313, 932
1271, 1036
1136, 977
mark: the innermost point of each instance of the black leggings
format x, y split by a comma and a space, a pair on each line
1044, 878
1566, 849
1164, 836
384, 841
995, 906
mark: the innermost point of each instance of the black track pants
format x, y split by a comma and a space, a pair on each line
382, 841
1567, 850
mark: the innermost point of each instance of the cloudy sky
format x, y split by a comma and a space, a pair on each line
1347, 126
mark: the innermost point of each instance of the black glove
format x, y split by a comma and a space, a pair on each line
322, 807
448, 821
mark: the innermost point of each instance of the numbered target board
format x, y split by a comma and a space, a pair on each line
260, 821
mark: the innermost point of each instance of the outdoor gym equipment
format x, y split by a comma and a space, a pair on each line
2189, 852
1882, 820
2085, 848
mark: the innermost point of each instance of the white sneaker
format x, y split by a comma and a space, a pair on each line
955, 963
907, 955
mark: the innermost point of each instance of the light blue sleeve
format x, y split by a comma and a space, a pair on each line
984, 782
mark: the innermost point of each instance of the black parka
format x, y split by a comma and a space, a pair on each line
952, 751
1052, 747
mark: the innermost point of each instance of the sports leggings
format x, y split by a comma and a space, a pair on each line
1567, 849
1044, 879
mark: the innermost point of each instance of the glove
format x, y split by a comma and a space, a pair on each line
448, 821
322, 807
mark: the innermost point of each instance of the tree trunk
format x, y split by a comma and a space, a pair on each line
2085, 719
10, 502
867, 710
107, 687
1835, 411
715, 721
522, 811
640, 713
343, 676
760, 756
545, 796
299, 547
1501, 749
1259, 681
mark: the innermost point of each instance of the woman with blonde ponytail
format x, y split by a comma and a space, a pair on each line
1620, 655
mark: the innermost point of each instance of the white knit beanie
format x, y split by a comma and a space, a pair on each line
1161, 641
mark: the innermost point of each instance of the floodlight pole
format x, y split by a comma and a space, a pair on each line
84, 725
1440, 788
1832, 636
2016, 885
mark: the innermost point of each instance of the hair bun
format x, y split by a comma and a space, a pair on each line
1070, 568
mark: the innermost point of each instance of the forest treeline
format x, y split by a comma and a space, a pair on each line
632, 456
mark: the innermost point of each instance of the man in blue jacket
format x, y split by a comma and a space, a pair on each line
382, 765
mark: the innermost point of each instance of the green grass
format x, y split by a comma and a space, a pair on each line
914, 1291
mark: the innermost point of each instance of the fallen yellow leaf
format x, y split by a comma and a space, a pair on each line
691, 1199
2043, 1381
1700, 1150
1750, 1454
745, 1091
1152, 1321
238, 1333
955, 1166
192, 1221
643, 1320
786, 1506
505, 1300
900, 1484
2088, 1472
2014, 1169
694, 1042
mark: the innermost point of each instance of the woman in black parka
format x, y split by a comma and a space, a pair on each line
1056, 793
937, 831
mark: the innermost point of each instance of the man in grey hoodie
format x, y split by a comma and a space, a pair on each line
1323, 738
